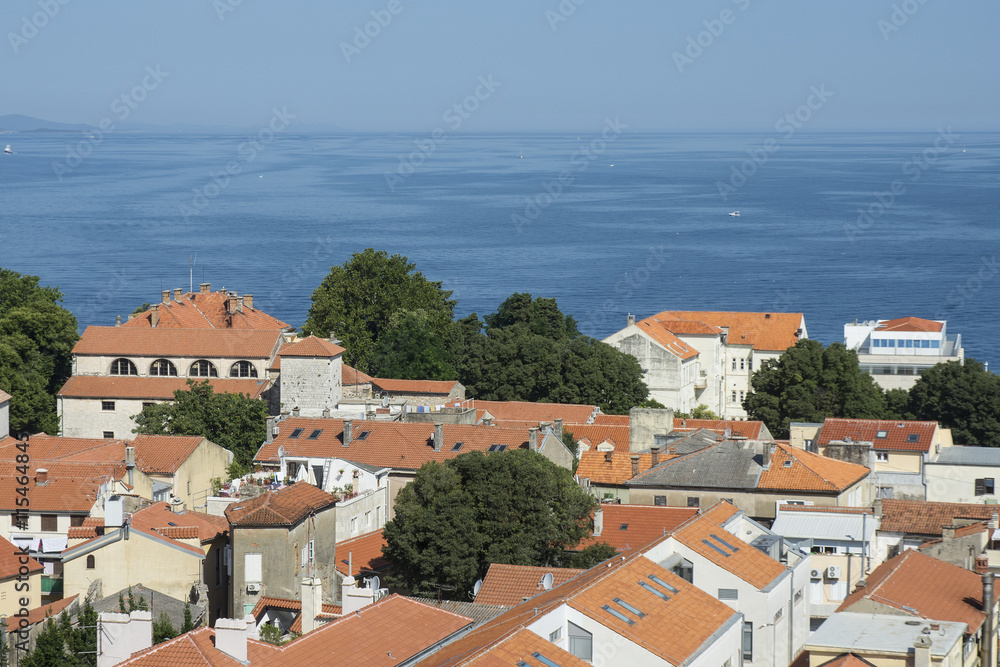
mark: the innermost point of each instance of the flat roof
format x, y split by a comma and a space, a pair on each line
966, 455
846, 632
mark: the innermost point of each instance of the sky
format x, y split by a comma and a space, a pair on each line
511, 66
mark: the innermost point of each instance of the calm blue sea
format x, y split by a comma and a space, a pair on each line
636, 225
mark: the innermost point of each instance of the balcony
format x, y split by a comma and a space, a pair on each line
701, 382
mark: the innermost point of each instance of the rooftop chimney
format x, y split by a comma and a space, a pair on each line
231, 637
558, 427
635, 464
271, 427
232, 304
205, 288
312, 603
631, 319
922, 651
177, 293
533, 439
877, 507
326, 413
118, 320
248, 300
154, 315
295, 411
130, 463
41, 476
598, 521
121, 635
982, 565
348, 431
166, 296
609, 455
656, 456
438, 437
987, 656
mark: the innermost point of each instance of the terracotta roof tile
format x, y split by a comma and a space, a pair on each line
442, 387
160, 518
311, 346
133, 341
909, 324
352, 376
197, 649
668, 340
749, 564
152, 388
178, 532
913, 436
10, 560
846, 660
53, 609
612, 420
286, 507
537, 412
205, 311
329, 611
931, 588
164, 453
599, 433
919, 517
630, 526
797, 470
721, 512
510, 585
826, 509
71, 487
520, 649
771, 332
364, 553
740, 429
611, 468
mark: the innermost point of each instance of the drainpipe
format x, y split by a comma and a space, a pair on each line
986, 644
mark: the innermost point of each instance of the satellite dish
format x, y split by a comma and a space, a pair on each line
281, 451
547, 581
374, 583
385, 401
728, 432
477, 586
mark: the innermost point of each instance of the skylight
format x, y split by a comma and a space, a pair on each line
626, 606
363, 435
496, 448
315, 434
787, 464
882, 434
624, 526
545, 661
723, 542
661, 582
617, 614
458, 446
296, 433
654, 591
913, 437
717, 548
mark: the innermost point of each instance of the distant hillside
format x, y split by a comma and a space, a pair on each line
19, 123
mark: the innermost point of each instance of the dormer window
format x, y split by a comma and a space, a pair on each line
243, 369
203, 369
123, 367
163, 368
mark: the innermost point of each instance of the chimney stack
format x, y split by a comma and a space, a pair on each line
231, 637
982, 565
326, 413
118, 320
438, 437
166, 296
558, 427
631, 320
154, 316
130, 462
635, 464
656, 456
312, 603
248, 300
533, 439
877, 507
205, 288
989, 640
598, 521
348, 431
41, 476
922, 651
271, 424
177, 293
295, 411
609, 456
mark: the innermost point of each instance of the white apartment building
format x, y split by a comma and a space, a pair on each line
896, 352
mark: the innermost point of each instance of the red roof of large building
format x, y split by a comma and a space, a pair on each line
753, 566
196, 310
667, 339
538, 412
612, 468
884, 434
510, 585
772, 332
920, 517
197, 649
352, 376
611, 420
630, 526
209, 343
311, 346
151, 388
440, 387
285, 507
797, 470
596, 434
910, 324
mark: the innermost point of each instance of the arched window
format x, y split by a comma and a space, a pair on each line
91, 563
162, 367
203, 369
123, 367
243, 369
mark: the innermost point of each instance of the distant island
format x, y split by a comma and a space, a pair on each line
20, 123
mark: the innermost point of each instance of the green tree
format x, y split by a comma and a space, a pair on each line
271, 634
413, 349
591, 556
142, 309
809, 383
163, 629
83, 638
188, 624
459, 516
37, 336
962, 397
52, 646
234, 421
356, 302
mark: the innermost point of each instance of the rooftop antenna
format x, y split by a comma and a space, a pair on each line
192, 259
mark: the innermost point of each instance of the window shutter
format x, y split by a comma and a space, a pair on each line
980, 487
252, 566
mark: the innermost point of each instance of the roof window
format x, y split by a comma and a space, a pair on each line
458, 446
496, 448
624, 526
787, 464
617, 614
723, 542
295, 434
363, 435
545, 661
315, 434
654, 591
882, 434
626, 606
661, 582
913, 437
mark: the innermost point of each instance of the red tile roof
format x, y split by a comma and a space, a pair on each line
205, 311
909, 324
599, 433
396, 445
441, 387
740, 429
826, 509
912, 436
329, 611
139, 342
537, 412
286, 507
71, 487
721, 512
521, 648
772, 332
164, 453
612, 420
352, 376
197, 649
630, 526
158, 517
846, 660
10, 560
53, 609
749, 564
798, 470
926, 587
668, 340
920, 517
311, 346
510, 585
597, 467
151, 388
363, 553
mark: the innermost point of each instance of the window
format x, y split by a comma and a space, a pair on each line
458, 446
189, 487
363, 435
368, 519
925, 343
123, 367
750, 364
496, 448
555, 635
162, 367
694, 501
109, 435
253, 566
729, 594
312, 550
798, 596
935, 343
76, 521
243, 369
734, 397
581, 642
659, 500
107, 405
747, 640
684, 570
91, 562
742, 396
913, 437
203, 369
984, 486
882, 456
50, 522
295, 434
778, 614
354, 525
742, 364
315, 434
734, 363
909, 343
882, 434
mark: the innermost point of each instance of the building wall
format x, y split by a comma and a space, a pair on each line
4, 418
12, 590
662, 371
362, 514
899, 461
800, 432
957, 484
311, 384
85, 364
86, 418
193, 479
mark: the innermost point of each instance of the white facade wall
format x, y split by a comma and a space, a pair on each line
101, 365
310, 384
957, 484
670, 380
4, 418
87, 418
362, 514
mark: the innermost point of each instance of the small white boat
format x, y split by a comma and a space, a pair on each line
8, 151
735, 214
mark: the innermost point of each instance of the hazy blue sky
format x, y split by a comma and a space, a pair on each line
924, 65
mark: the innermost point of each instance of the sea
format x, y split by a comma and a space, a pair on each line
839, 226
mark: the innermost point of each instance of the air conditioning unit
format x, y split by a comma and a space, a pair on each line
253, 588
833, 572
815, 574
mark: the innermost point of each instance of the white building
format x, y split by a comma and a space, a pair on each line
896, 352
963, 475
691, 358
4, 414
